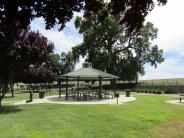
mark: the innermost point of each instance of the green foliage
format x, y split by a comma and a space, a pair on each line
53, 63
67, 62
108, 48
149, 90
129, 69
61, 64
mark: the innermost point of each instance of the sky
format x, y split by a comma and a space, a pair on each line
169, 21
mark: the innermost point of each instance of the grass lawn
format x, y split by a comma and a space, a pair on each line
148, 116
25, 96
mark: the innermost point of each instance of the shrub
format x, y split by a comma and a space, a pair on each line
151, 91
168, 91
159, 92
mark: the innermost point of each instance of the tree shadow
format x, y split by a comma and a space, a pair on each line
9, 109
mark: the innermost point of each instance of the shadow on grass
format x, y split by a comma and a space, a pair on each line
8, 109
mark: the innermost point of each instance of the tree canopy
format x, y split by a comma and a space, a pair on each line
38, 74
29, 48
60, 64
21, 12
107, 47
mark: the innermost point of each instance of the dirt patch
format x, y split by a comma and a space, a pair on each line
170, 129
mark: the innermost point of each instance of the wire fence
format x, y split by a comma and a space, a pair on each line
168, 86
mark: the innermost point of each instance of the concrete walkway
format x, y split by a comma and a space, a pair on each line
175, 102
57, 100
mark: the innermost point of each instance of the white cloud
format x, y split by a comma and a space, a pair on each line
169, 20
171, 68
63, 40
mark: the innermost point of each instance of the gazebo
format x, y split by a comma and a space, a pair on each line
89, 73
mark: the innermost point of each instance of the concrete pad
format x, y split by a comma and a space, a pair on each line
57, 100
175, 102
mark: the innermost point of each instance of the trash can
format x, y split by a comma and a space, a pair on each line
127, 91
41, 93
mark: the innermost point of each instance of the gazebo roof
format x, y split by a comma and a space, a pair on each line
89, 73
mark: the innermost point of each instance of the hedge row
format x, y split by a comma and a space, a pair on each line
146, 90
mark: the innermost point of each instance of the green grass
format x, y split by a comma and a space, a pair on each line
25, 96
19, 96
147, 117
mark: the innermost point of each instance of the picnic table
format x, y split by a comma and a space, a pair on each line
85, 94
81, 94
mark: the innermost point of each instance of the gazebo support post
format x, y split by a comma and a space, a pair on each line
114, 85
66, 88
59, 83
77, 83
100, 88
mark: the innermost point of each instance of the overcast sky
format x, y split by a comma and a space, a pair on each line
168, 19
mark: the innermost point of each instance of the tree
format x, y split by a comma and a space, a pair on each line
60, 65
16, 15
129, 69
108, 48
53, 62
30, 48
67, 62
38, 74
18, 12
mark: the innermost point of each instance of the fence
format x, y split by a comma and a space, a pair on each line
168, 86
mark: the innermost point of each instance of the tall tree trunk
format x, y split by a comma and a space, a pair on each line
49, 88
136, 80
3, 92
0, 102
59, 85
17, 87
1, 98
12, 90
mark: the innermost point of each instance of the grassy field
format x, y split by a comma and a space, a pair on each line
148, 116
25, 96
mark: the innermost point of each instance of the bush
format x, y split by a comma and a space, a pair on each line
150, 91
142, 90
154, 92
169, 91
159, 92
133, 90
